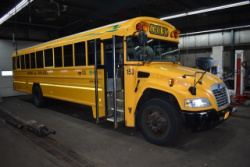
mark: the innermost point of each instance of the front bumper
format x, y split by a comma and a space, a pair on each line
198, 121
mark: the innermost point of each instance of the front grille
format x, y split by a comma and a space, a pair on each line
220, 94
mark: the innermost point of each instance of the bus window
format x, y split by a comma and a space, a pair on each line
18, 62
22, 62
91, 52
33, 60
13, 63
48, 56
68, 55
27, 61
58, 56
39, 59
80, 57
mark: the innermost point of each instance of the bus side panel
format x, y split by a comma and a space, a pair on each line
21, 82
130, 96
74, 85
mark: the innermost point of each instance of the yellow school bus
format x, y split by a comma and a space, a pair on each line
128, 72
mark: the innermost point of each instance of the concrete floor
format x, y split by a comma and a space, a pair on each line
79, 141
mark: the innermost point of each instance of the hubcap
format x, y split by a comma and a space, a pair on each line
157, 122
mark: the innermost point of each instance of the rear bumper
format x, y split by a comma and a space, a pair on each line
198, 121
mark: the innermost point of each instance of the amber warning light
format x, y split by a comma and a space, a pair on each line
171, 82
174, 34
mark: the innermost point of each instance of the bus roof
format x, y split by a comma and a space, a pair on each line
111, 29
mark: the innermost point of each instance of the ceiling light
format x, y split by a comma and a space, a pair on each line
219, 8
206, 10
7, 73
174, 16
16, 9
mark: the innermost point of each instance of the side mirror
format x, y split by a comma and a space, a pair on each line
205, 63
142, 38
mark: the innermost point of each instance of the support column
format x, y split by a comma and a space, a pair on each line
232, 52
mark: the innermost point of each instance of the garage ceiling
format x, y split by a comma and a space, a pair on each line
72, 16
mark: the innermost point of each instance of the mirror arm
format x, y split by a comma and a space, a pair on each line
135, 33
199, 81
192, 89
144, 57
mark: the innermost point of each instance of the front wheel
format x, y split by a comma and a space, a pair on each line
159, 121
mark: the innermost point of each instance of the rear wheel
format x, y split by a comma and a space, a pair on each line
38, 98
159, 121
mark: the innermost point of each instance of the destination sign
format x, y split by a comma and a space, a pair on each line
158, 30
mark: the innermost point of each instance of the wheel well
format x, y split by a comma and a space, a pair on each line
154, 93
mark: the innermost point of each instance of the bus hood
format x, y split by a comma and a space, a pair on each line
164, 72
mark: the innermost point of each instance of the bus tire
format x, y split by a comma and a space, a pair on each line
159, 121
38, 98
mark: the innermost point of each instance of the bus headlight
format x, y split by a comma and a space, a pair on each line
196, 103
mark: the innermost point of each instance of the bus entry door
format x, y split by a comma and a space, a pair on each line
114, 68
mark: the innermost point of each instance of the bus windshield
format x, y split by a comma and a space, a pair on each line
155, 50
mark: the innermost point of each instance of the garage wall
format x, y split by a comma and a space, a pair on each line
6, 50
200, 45
29, 33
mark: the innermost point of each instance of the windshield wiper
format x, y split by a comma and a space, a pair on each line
163, 61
